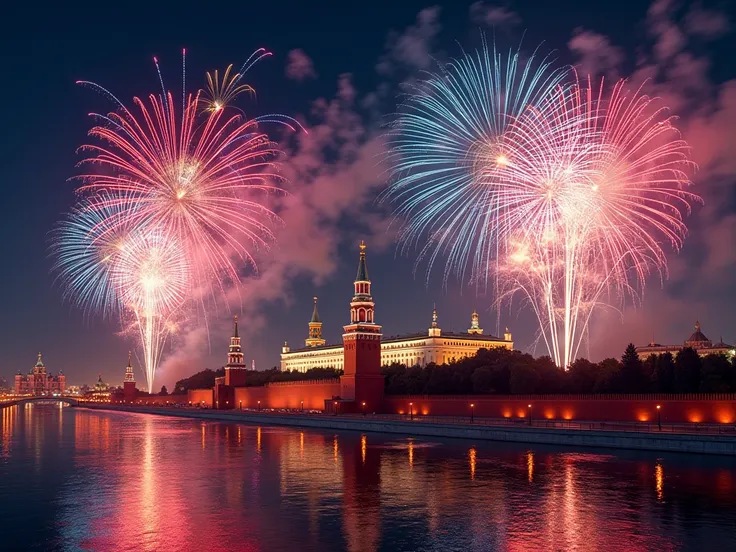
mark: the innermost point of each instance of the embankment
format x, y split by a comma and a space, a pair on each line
686, 443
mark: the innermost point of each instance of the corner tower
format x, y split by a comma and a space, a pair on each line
235, 368
362, 380
315, 329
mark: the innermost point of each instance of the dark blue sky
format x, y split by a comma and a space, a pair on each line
45, 119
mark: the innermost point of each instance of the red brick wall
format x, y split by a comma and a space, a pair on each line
288, 395
200, 396
643, 409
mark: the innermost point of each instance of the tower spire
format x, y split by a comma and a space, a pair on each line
362, 275
235, 352
475, 324
129, 376
315, 329
434, 330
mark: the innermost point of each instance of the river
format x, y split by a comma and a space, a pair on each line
73, 479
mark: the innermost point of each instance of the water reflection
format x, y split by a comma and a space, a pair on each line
112, 481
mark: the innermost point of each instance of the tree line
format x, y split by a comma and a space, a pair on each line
501, 371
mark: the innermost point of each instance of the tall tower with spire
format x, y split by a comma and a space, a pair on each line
129, 390
235, 369
129, 376
315, 329
475, 324
434, 329
362, 381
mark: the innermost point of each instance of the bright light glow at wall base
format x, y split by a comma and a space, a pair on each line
558, 192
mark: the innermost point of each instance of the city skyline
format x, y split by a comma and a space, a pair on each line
328, 214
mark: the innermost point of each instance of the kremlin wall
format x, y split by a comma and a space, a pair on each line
360, 389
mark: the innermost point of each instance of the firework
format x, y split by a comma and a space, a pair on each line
86, 245
172, 210
152, 273
445, 122
564, 198
594, 184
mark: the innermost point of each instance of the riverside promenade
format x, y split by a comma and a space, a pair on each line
685, 438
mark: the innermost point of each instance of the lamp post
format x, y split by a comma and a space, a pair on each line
241, 405
411, 411
302, 406
362, 407
659, 417
530, 414
472, 412
335, 408
259, 406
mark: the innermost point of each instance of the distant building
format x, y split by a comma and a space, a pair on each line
697, 341
39, 382
100, 391
410, 349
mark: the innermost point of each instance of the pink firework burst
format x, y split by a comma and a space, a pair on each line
586, 188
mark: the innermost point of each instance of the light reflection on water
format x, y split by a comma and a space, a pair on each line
82, 480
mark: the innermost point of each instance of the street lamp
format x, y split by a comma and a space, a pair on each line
259, 406
362, 407
659, 417
472, 412
241, 405
335, 408
302, 406
411, 411
530, 414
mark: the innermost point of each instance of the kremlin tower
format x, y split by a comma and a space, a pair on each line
362, 381
129, 390
235, 368
315, 329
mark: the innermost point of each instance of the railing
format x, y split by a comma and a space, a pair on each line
578, 397
652, 428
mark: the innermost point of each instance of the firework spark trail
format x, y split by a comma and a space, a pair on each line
170, 213
565, 198
594, 183
153, 275
86, 245
444, 121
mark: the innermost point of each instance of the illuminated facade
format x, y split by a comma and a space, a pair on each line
697, 341
411, 349
39, 382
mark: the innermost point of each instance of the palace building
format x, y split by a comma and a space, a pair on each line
420, 349
697, 341
39, 382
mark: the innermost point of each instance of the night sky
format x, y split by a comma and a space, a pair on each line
338, 67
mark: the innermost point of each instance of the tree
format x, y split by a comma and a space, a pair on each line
524, 379
164, 391
482, 380
582, 376
715, 374
687, 371
663, 379
552, 379
632, 371
608, 376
